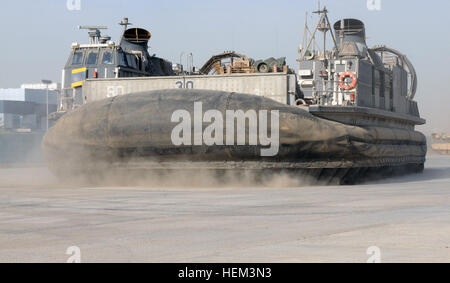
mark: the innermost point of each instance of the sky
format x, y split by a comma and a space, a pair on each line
37, 35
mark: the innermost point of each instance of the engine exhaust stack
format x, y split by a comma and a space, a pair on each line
350, 30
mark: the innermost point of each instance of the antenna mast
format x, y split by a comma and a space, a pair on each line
323, 26
125, 23
94, 33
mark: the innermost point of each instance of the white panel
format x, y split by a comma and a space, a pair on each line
270, 86
13, 94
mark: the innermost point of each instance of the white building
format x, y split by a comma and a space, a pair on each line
26, 107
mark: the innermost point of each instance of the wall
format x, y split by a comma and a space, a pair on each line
275, 86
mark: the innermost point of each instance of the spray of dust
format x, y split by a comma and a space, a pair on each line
37, 175
126, 175
21, 161
89, 172
203, 179
30, 169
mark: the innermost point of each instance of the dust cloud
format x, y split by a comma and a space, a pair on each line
202, 179
36, 172
22, 163
125, 177
18, 176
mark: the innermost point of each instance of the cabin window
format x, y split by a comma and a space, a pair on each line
77, 58
108, 58
92, 58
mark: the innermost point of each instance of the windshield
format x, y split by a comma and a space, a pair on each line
77, 58
92, 58
108, 58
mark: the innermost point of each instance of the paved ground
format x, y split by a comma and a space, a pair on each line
408, 218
